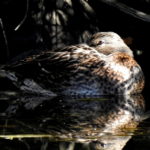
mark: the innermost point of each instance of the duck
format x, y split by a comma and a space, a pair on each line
104, 65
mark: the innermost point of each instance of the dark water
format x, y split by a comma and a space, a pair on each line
66, 123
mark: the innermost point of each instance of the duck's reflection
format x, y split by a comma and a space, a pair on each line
99, 123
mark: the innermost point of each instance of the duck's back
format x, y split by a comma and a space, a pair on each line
81, 70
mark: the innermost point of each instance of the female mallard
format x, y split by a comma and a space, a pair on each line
103, 66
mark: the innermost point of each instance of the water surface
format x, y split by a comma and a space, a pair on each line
67, 123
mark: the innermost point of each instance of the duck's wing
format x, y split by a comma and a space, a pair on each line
73, 52
56, 68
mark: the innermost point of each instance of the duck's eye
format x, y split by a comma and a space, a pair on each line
101, 42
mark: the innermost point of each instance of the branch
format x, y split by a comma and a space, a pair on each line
128, 10
5, 39
24, 18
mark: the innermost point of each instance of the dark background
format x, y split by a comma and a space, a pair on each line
49, 24
29, 26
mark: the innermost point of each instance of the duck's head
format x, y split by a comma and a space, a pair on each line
108, 43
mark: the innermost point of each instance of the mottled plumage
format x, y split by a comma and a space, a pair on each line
105, 66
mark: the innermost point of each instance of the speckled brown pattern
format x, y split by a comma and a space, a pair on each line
85, 70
